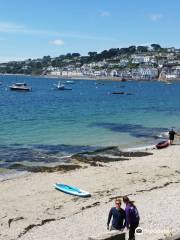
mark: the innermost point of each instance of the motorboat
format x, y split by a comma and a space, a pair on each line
20, 87
61, 86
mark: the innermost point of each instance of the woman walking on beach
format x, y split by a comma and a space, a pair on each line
132, 217
118, 215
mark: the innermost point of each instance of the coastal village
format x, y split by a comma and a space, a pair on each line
135, 62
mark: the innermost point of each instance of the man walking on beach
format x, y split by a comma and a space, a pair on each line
171, 135
118, 215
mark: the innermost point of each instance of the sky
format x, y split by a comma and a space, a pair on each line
37, 28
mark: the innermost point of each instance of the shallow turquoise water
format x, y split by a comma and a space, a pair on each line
89, 115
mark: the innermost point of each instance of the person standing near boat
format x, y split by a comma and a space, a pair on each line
132, 217
171, 135
118, 217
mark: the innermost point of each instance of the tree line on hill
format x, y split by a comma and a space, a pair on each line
37, 66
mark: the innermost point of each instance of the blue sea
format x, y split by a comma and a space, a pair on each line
46, 125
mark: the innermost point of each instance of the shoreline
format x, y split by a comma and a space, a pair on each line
69, 161
32, 209
109, 78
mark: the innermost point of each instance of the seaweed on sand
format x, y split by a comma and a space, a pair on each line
62, 167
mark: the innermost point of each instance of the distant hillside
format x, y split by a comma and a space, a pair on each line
112, 57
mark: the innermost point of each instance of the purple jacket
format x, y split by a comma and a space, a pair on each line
132, 215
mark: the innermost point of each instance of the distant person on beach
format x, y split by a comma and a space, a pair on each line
132, 217
171, 135
118, 217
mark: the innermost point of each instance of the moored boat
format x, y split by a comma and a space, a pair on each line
61, 86
118, 92
69, 82
20, 87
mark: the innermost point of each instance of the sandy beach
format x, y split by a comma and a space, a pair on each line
30, 207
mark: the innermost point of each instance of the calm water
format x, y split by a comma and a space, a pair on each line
46, 124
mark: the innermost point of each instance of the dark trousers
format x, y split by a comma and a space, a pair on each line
132, 229
113, 228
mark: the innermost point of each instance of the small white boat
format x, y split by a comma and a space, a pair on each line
69, 82
20, 87
61, 86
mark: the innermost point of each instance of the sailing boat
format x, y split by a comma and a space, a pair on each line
61, 86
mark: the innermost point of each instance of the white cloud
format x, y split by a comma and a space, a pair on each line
155, 17
10, 27
57, 42
105, 14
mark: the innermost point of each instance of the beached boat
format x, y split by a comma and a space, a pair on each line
20, 87
61, 86
162, 144
71, 190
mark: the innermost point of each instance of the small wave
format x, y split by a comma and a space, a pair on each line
142, 148
163, 135
9, 174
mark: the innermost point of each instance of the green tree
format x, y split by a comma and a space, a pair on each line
113, 52
69, 55
142, 49
123, 51
92, 54
75, 55
132, 49
156, 47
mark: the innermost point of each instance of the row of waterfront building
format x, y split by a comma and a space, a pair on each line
142, 72
139, 73
136, 66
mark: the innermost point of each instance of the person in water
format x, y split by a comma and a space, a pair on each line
118, 217
132, 217
171, 135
